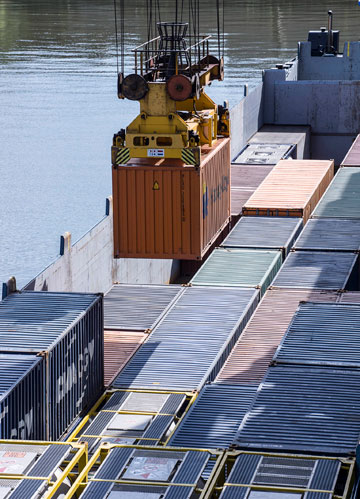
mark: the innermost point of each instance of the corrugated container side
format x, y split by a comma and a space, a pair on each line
191, 343
322, 334
292, 189
252, 354
22, 397
164, 209
119, 347
329, 234
239, 267
341, 199
301, 409
67, 330
214, 419
350, 297
138, 307
318, 270
352, 157
267, 233
244, 181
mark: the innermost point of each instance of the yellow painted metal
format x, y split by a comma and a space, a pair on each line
167, 125
217, 481
77, 433
102, 452
78, 461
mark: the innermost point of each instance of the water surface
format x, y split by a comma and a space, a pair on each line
59, 107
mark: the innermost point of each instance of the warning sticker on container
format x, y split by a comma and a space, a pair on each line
156, 153
150, 468
16, 462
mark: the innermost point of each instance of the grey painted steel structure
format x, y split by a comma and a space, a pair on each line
190, 465
322, 334
316, 270
22, 400
329, 234
67, 330
239, 267
190, 344
304, 409
137, 307
341, 198
280, 471
268, 233
214, 419
264, 154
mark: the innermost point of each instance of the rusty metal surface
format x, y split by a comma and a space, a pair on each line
119, 347
255, 348
352, 157
293, 188
164, 209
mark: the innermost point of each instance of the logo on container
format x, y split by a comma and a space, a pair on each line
215, 194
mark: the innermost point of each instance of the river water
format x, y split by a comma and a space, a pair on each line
59, 107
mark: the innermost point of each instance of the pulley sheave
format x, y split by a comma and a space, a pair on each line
134, 87
179, 87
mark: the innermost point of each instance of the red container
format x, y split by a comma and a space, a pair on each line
253, 352
119, 347
165, 209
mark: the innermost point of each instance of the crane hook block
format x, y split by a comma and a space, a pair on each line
134, 87
179, 87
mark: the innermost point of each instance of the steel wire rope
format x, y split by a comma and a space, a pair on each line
122, 38
116, 39
218, 27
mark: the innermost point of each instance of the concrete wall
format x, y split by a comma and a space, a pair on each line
344, 66
246, 119
88, 265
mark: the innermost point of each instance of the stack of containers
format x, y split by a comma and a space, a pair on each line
130, 314
51, 361
315, 371
251, 256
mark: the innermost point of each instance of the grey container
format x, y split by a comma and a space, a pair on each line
265, 153
269, 233
304, 409
341, 199
137, 307
275, 471
329, 234
214, 419
238, 267
190, 344
67, 330
322, 334
22, 398
318, 270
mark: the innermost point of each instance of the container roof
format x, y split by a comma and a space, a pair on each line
34, 321
330, 234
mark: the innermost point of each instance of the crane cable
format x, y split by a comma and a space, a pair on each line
116, 39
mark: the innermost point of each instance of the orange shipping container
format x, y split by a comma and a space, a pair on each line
292, 189
165, 209
253, 352
119, 347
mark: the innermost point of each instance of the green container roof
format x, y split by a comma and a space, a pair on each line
342, 197
243, 268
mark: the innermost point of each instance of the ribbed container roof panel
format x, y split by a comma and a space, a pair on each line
255, 348
341, 199
304, 409
35, 321
323, 334
264, 233
191, 342
330, 234
214, 418
316, 270
239, 267
137, 307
